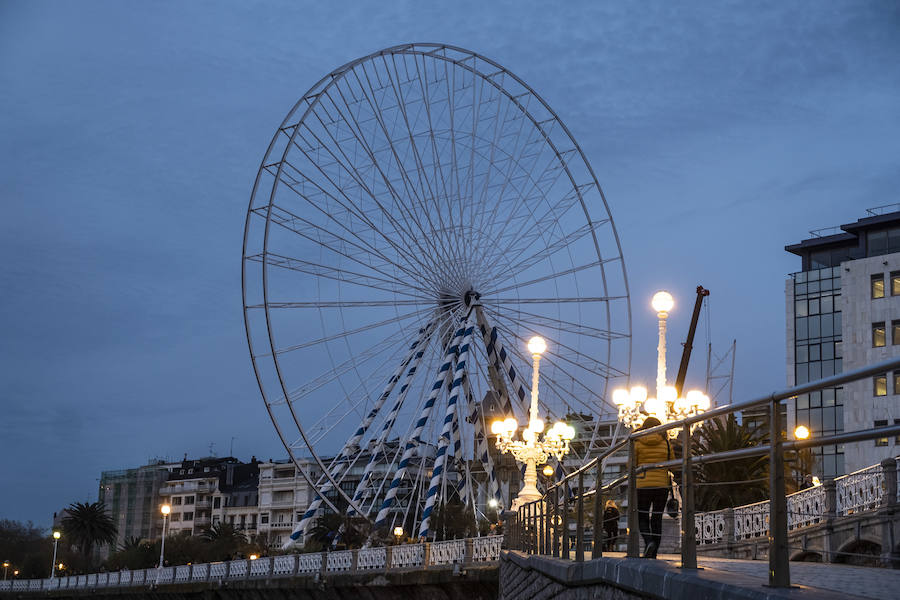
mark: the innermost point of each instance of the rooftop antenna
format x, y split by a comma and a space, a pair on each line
211, 446
231, 448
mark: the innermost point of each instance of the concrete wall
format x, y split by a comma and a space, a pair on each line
861, 407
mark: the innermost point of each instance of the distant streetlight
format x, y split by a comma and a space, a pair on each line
165, 509
398, 533
493, 503
801, 432
5, 569
56, 536
547, 471
253, 557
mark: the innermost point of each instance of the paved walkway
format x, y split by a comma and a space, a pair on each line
866, 582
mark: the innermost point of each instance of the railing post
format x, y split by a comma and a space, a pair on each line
565, 520
729, 531
887, 510
426, 554
388, 556
599, 532
688, 527
889, 468
554, 519
779, 565
354, 561
249, 567
831, 512
548, 545
469, 556
634, 544
579, 520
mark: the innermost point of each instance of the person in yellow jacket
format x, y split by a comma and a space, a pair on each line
652, 486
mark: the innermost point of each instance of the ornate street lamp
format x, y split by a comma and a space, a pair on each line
635, 405
165, 509
56, 536
532, 450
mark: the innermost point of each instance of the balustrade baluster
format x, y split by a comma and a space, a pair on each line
579, 520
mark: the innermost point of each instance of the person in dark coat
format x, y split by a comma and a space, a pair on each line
610, 525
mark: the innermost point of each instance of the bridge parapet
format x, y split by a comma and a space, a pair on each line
472, 551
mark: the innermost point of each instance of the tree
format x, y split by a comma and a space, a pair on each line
452, 520
351, 532
734, 482
223, 532
88, 525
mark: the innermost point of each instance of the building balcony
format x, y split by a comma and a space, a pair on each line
284, 525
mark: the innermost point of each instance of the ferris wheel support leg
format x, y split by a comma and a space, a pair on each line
440, 460
351, 447
443, 379
480, 449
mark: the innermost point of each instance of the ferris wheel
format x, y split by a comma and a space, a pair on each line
419, 214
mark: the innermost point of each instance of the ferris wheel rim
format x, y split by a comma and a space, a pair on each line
332, 79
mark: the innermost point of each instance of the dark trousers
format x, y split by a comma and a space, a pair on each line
651, 504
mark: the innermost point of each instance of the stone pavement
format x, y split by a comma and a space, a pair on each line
866, 582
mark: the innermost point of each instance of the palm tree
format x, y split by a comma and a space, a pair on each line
223, 532
734, 482
130, 543
88, 525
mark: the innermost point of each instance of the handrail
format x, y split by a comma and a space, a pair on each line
544, 515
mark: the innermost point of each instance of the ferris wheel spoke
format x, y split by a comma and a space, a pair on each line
355, 176
545, 252
553, 275
585, 299
338, 245
351, 332
410, 188
563, 325
344, 303
338, 274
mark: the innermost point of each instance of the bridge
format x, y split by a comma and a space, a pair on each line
546, 545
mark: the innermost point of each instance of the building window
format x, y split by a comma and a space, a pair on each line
878, 339
176, 501
878, 286
897, 439
188, 516
217, 502
190, 499
895, 283
175, 517
880, 385
895, 332
883, 441
264, 518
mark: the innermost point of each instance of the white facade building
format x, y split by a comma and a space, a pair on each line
843, 312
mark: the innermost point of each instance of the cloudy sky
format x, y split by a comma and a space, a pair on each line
130, 134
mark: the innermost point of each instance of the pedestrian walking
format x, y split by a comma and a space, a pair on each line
652, 486
610, 525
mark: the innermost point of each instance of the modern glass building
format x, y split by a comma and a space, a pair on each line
843, 312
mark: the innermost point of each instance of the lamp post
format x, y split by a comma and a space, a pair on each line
5, 569
530, 449
635, 405
165, 509
56, 536
398, 533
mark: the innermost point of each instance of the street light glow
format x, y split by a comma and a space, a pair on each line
801, 432
537, 345
253, 557
493, 503
56, 535
548, 471
662, 302
165, 509
398, 531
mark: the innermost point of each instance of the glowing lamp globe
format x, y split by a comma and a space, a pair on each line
547, 471
638, 394
654, 406
537, 345
620, 397
662, 302
801, 432
668, 394
165, 509
536, 425
56, 535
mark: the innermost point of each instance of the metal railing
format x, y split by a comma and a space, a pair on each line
543, 526
466, 552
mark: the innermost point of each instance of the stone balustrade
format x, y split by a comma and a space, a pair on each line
408, 556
